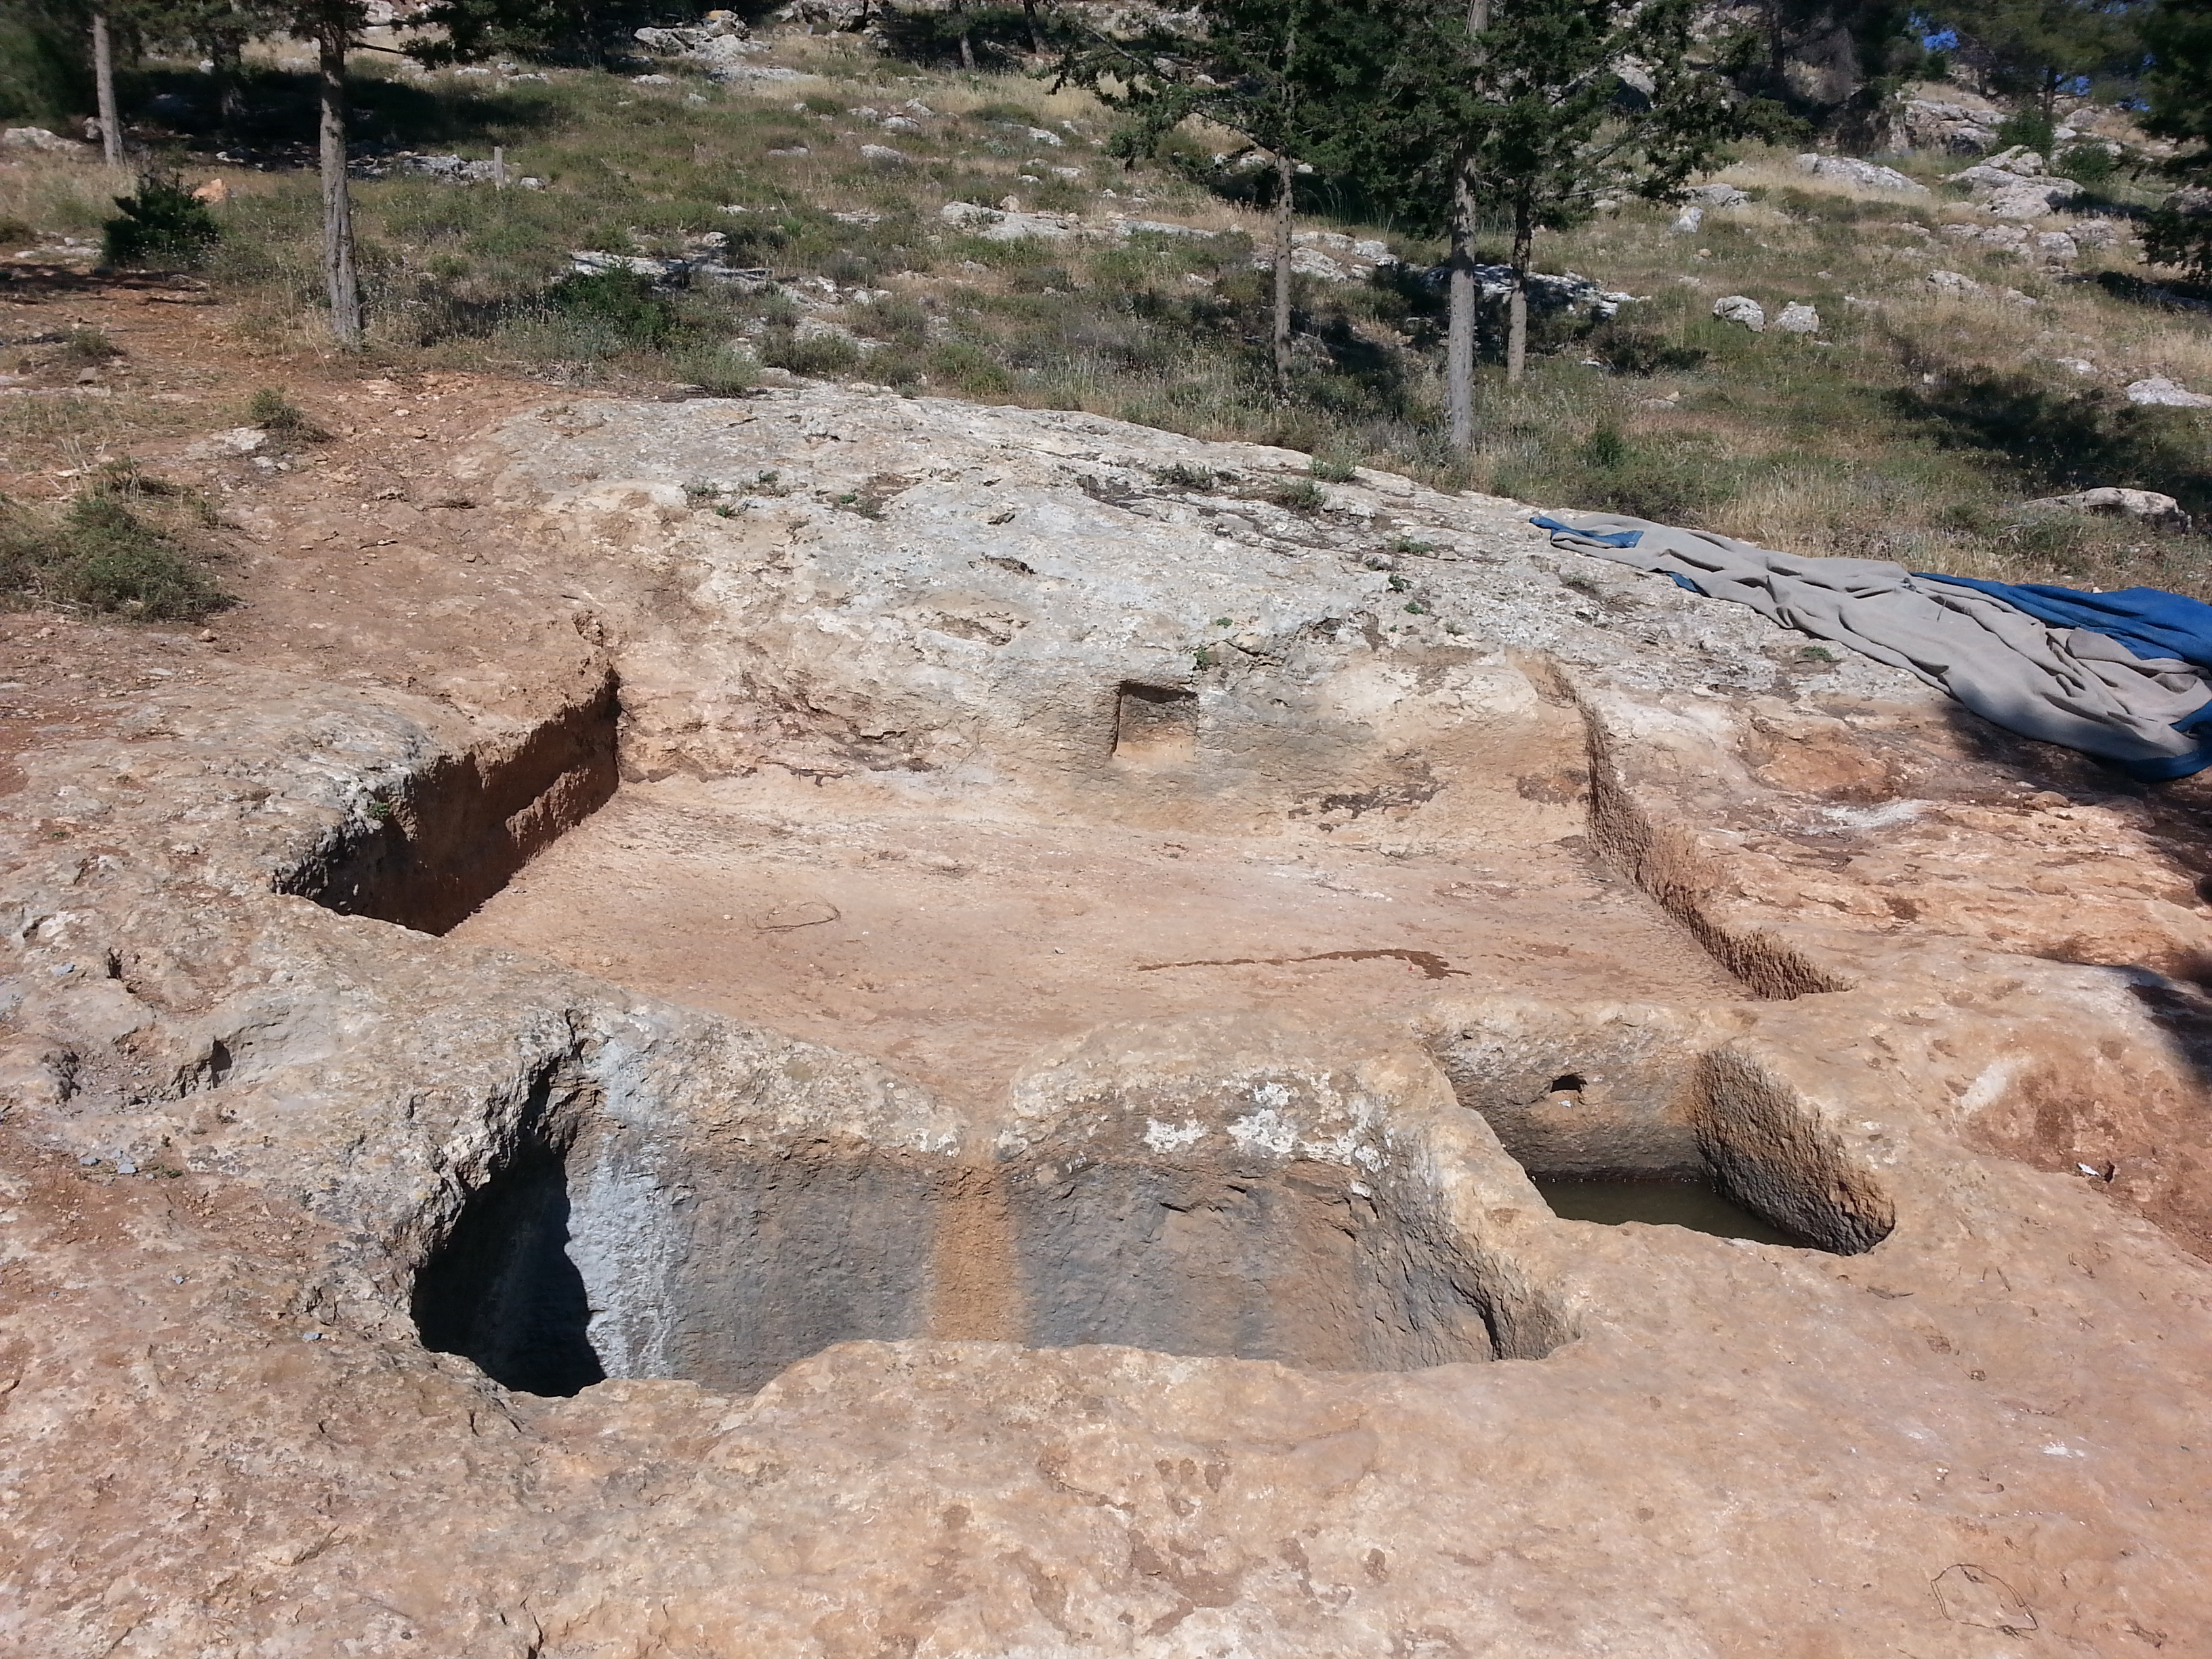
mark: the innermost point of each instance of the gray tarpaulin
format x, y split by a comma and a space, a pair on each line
2063, 685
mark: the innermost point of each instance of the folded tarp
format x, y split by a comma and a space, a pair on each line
2050, 664
2149, 621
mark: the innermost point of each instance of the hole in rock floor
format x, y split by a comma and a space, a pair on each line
770, 1261
1687, 1202
954, 948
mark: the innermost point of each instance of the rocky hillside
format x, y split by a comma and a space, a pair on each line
1936, 342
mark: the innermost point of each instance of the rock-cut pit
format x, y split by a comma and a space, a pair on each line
982, 802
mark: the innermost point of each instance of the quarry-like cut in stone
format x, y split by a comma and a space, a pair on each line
954, 947
1299, 1211
430, 1227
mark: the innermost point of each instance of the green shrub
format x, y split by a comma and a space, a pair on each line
1671, 481
1332, 470
163, 225
1300, 495
623, 302
109, 551
824, 357
715, 369
89, 346
282, 419
2029, 126
1606, 449
1627, 349
967, 369
2088, 165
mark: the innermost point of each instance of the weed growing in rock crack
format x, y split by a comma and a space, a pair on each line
1332, 471
125, 545
1181, 475
1410, 547
1299, 495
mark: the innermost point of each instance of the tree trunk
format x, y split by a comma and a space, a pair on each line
1036, 34
1286, 174
103, 82
1517, 327
967, 46
1459, 340
337, 202
226, 49
1466, 296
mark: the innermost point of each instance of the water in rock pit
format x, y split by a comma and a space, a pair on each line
1697, 1205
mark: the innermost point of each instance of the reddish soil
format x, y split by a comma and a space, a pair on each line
954, 949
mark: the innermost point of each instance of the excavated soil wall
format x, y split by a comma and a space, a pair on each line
456, 832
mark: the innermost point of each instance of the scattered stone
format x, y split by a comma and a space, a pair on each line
2002, 171
1045, 135
450, 169
2013, 296
1954, 282
1719, 196
2147, 505
1741, 308
1330, 256
1798, 318
1848, 170
2014, 185
2032, 201
39, 138
2169, 394
239, 441
1687, 221
2010, 239
2056, 245
1004, 225
882, 155
1961, 129
2076, 365
653, 80
2095, 232
722, 44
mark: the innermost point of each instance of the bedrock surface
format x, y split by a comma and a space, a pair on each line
935, 1042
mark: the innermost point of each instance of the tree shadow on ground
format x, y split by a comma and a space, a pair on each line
2053, 437
281, 112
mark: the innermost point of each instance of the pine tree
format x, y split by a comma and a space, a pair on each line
1533, 110
1295, 78
2179, 86
2038, 49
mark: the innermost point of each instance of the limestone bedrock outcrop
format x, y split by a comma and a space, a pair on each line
393, 1263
